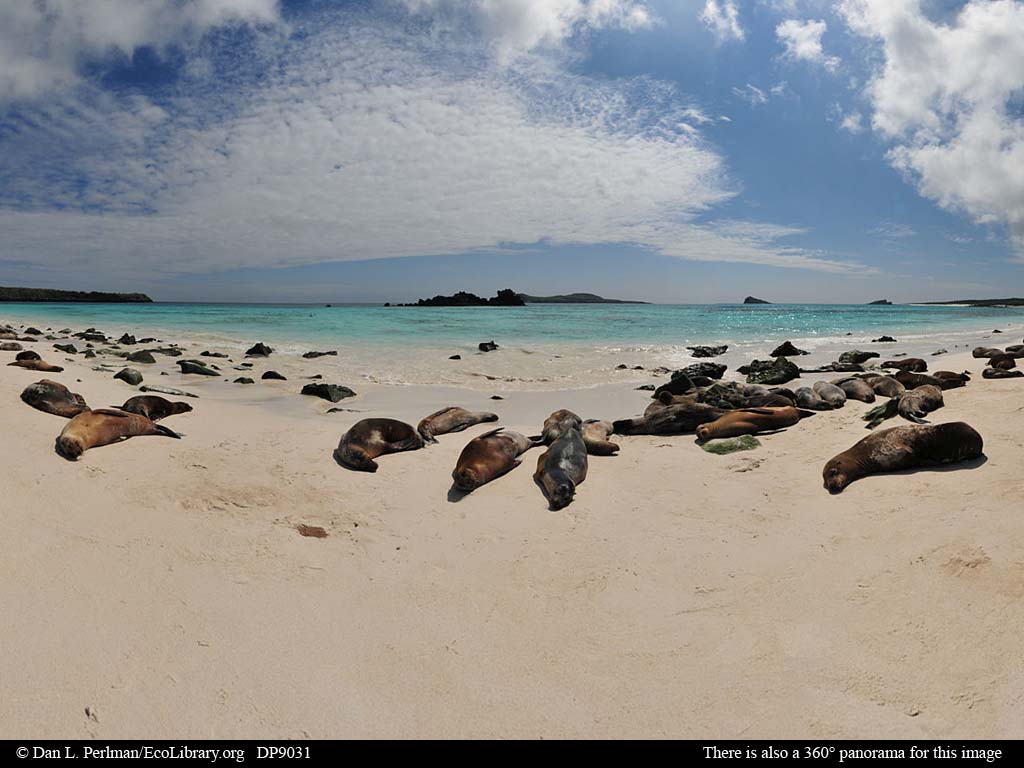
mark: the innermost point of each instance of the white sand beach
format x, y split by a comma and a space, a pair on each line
158, 588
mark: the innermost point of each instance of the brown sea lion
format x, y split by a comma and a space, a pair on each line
562, 467
811, 400
985, 352
750, 421
885, 386
962, 378
856, 389
1004, 361
915, 380
36, 365
369, 438
920, 401
104, 426
910, 364
153, 407
451, 419
595, 437
27, 354
671, 420
488, 456
1001, 373
830, 393
51, 397
558, 423
903, 448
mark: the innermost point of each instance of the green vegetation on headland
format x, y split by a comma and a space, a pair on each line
983, 302
509, 298
49, 294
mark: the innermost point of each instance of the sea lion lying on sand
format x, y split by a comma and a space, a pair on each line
595, 437
35, 364
1001, 373
962, 378
909, 364
856, 389
671, 420
903, 448
885, 386
985, 352
451, 419
808, 398
562, 467
750, 421
919, 402
153, 407
1004, 361
27, 354
830, 393
487, 457
914, 380
369, 438
104, 426
557, 424
50, 397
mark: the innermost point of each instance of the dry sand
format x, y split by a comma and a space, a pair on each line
162, 584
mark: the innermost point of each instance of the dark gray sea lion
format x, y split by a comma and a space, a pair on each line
1006, 361
104, 426
885, 386
857, 357
750, 421
809, 399
985, 352
51, 397
370, 438
1001, 373
488, 456
910, 364
36, 365
28, 354
671, 420
680, 384
451, 419
959, 379
856, 389
153, 407
920, 401
915, 380
830, 393
562, 467
595, 437
900, 448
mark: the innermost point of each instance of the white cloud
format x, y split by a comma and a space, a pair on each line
365, 143
44, 43
948, 97
751, 94
722, 18
893, 230
802, 42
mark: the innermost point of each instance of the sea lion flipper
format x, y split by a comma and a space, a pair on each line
111, 412
161, 429
488, 434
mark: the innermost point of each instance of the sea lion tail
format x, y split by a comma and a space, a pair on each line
162, 430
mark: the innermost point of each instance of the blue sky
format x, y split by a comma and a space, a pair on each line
256, 150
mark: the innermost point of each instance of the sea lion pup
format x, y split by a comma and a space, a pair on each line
671, 420
808, 398
919, 402
856, 389
50, 397
562, 467
488, 456
27, 354
1001, 373
1003, 360
104, 426
750, 421
885, 386
912, 364
35, 364
902, 448
595, 437
153, 407
830, 393
369, 438
451, 419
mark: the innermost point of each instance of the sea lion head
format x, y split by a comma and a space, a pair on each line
704, 432
838, 474
561, 495
466, 479
70, 447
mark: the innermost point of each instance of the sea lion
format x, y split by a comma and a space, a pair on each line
557, 424
920, 401
1001, 373
915, 380
750, 421
1004, 360
595, 437
27, 354
487, 457
667, 398
451, 419
153, 407
669, 420
911, 364
830, 393
885, 386
903, 448
961, 379
808, 398
856, 389
104, 426
50, 397
985, 352
369, 438
35, 364
562, 467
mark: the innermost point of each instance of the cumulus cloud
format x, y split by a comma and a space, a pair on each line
948, 97
802, 42
43, 44
722, 18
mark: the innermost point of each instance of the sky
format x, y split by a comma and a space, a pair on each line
383, 150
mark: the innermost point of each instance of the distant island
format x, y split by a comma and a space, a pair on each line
49, 294
880, 302
509, 298
982, 302
755, 300
575, 298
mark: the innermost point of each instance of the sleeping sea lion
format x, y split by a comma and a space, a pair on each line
885, 386
595, 437
1001, 373
104, 426
903, 448
488, 456
369, 438
154, 407
856, 389
35, 364
919, 402
557, 424
27, 354
830, 393
985, 352
915, 380
51, 397
911, 364
808, 398
960, 379
451, 419
562, 467
1004, 361
669, 420
750, 421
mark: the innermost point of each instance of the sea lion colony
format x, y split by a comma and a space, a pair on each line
710, 409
